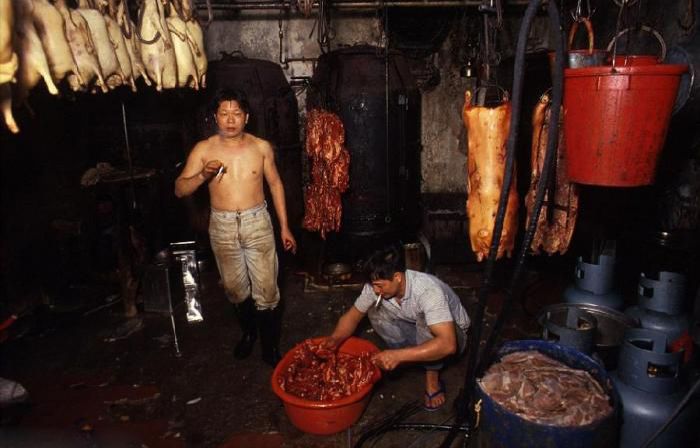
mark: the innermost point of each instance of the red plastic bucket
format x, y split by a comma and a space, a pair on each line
615, 122
326, 417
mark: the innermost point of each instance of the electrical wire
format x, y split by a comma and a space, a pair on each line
547, 171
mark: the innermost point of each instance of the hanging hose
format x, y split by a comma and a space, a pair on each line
466, 401
547, 171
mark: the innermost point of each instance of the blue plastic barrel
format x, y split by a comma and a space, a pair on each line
499, 427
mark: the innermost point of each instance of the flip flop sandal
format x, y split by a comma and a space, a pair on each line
441, 390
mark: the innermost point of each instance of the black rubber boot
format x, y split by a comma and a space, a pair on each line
246, 317
270, 323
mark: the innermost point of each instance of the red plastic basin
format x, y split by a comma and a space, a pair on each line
326, 417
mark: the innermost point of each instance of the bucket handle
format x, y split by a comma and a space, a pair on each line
589, 30
648, 29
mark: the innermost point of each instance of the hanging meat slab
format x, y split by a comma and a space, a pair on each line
83, 49
545, 391
330, 171
557, 220
487, 133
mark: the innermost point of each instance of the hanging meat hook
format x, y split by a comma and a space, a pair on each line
577, 13
140, 21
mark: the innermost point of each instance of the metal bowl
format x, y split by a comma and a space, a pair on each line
611, 323
610, 331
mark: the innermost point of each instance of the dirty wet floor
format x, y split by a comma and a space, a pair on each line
97, 380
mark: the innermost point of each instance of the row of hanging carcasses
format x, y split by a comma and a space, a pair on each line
97, 47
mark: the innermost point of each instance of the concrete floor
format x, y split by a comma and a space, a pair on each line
86, 390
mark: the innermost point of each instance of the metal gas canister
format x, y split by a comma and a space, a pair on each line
660, 307
594, 283
649, 386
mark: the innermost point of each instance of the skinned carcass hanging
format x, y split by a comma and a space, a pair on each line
157, 49
50, 28
133, 47
557, 220
186, 69
487, 133
109, 12
33, 64
83, 48
195, 38
109, 63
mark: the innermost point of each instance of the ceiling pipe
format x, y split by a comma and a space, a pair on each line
277, 5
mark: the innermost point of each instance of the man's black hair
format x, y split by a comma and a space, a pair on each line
384, 263
222, 95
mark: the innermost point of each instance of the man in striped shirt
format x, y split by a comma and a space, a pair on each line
420, 318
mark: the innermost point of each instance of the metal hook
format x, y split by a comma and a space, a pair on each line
577, 14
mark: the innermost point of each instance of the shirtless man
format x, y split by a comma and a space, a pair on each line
233, 164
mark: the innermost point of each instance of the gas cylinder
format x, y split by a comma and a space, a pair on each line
650, 389
577, 329
593, 283
660, 307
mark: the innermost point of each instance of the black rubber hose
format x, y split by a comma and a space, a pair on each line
547, 172
427, 427
388, 422
465, 403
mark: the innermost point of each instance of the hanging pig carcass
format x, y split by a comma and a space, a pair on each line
487, 133
557, 219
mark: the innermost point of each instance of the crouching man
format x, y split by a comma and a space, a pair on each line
420, 318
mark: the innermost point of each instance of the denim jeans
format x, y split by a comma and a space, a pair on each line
243, 243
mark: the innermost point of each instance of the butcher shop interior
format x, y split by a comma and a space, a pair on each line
350, 223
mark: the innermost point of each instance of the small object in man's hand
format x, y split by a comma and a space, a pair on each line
221, 172
378, 302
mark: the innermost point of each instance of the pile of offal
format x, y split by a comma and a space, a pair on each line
545, 391
320, 374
